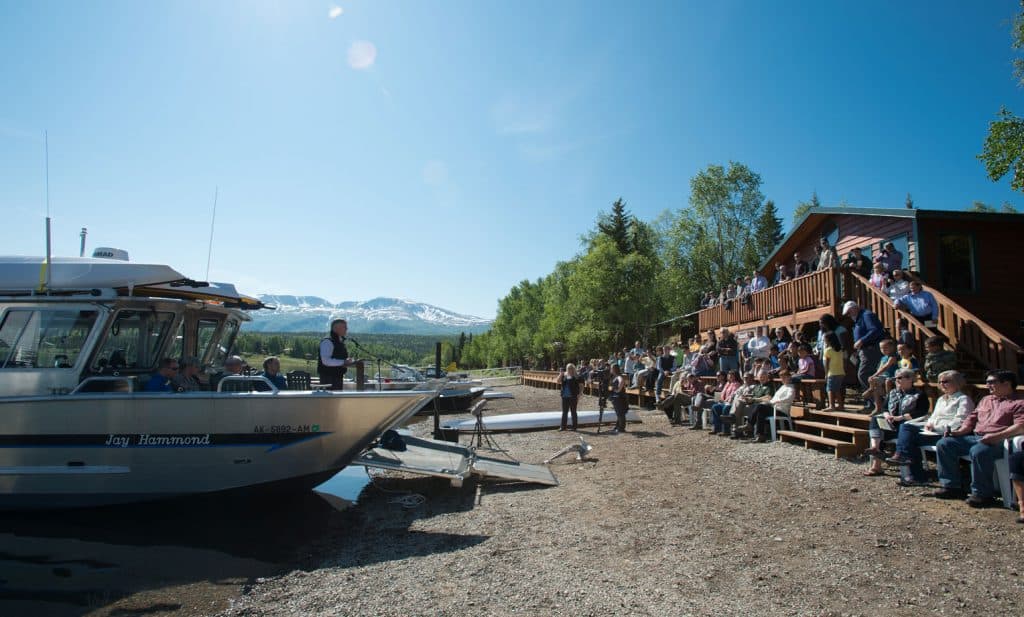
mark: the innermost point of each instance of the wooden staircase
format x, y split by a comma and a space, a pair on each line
969, 336
844, 432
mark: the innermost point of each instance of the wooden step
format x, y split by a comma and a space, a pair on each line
826, 426
841, 448
859, 435
839, 417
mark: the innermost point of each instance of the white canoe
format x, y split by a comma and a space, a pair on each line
77, 273
534, 421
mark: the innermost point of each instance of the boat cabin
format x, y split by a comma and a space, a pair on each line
53, 340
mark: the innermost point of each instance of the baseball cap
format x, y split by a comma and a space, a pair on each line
850, 304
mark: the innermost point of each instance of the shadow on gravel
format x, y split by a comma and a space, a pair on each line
395, 545
495, 487
69, 562
646, 434
378, 529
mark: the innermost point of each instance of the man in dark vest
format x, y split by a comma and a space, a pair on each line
333, 359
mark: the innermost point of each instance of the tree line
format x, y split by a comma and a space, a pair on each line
632, 274
411, 349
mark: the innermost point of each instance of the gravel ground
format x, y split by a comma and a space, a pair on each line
661, 521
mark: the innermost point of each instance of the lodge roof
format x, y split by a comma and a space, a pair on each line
816, 215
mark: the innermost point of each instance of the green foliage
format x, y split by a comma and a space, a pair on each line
615, 225
713, 237
980, 206
804, 207
632, 274
1017, 30
395, 348
1003, 151
768, 231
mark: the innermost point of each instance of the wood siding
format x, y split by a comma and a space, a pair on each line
999, 297
855, 230
860, 231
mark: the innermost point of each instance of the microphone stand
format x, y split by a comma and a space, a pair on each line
380, 377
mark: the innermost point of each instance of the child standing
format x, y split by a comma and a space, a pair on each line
835, 372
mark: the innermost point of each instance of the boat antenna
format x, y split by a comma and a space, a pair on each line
213, 219
44, 273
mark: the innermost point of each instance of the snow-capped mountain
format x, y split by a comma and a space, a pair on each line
380, 315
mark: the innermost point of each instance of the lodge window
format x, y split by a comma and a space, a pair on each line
903, 246
957, 262
831, 233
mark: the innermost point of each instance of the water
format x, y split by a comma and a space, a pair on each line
178, 557
346, 484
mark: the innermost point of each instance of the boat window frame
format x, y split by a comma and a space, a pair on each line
157, 350
222, 349
84, 350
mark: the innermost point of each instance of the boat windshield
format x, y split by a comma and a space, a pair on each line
177, 349
44, 338
134, 340
223, 346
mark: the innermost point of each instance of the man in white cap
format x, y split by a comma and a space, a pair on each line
867, 332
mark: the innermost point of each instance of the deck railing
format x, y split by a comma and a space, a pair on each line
964, 330
878, 302
811, 291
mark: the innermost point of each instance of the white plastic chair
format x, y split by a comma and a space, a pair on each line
780, 415
1005, 485
1000, 472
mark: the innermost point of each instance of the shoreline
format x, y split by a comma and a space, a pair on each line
662, 520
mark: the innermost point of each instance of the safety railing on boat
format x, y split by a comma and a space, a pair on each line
246, 382
106, 383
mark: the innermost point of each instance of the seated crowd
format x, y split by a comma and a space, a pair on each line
185, 375
743, 400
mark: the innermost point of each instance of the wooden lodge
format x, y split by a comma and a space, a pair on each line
967, 260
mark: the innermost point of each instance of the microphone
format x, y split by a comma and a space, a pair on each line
354, 341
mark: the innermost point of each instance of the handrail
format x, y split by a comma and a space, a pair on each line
810, 291
246, 378
860, 290
967, 331
128, 379
964, 330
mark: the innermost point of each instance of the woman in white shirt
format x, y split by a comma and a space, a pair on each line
779, 404
949, 412
900, 285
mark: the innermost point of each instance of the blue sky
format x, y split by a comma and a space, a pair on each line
445, 151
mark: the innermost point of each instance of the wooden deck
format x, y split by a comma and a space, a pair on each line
795, 302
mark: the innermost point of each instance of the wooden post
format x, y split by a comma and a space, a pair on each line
437, 406
360, 375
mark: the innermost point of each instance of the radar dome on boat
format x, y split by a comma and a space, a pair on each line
105, 252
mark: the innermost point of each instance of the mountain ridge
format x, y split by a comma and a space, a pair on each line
383, 315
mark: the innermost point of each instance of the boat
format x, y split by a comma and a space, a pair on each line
533, 421
79, 337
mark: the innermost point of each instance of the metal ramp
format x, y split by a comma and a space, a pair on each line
443, 459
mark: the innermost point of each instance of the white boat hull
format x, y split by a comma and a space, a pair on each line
96, 449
